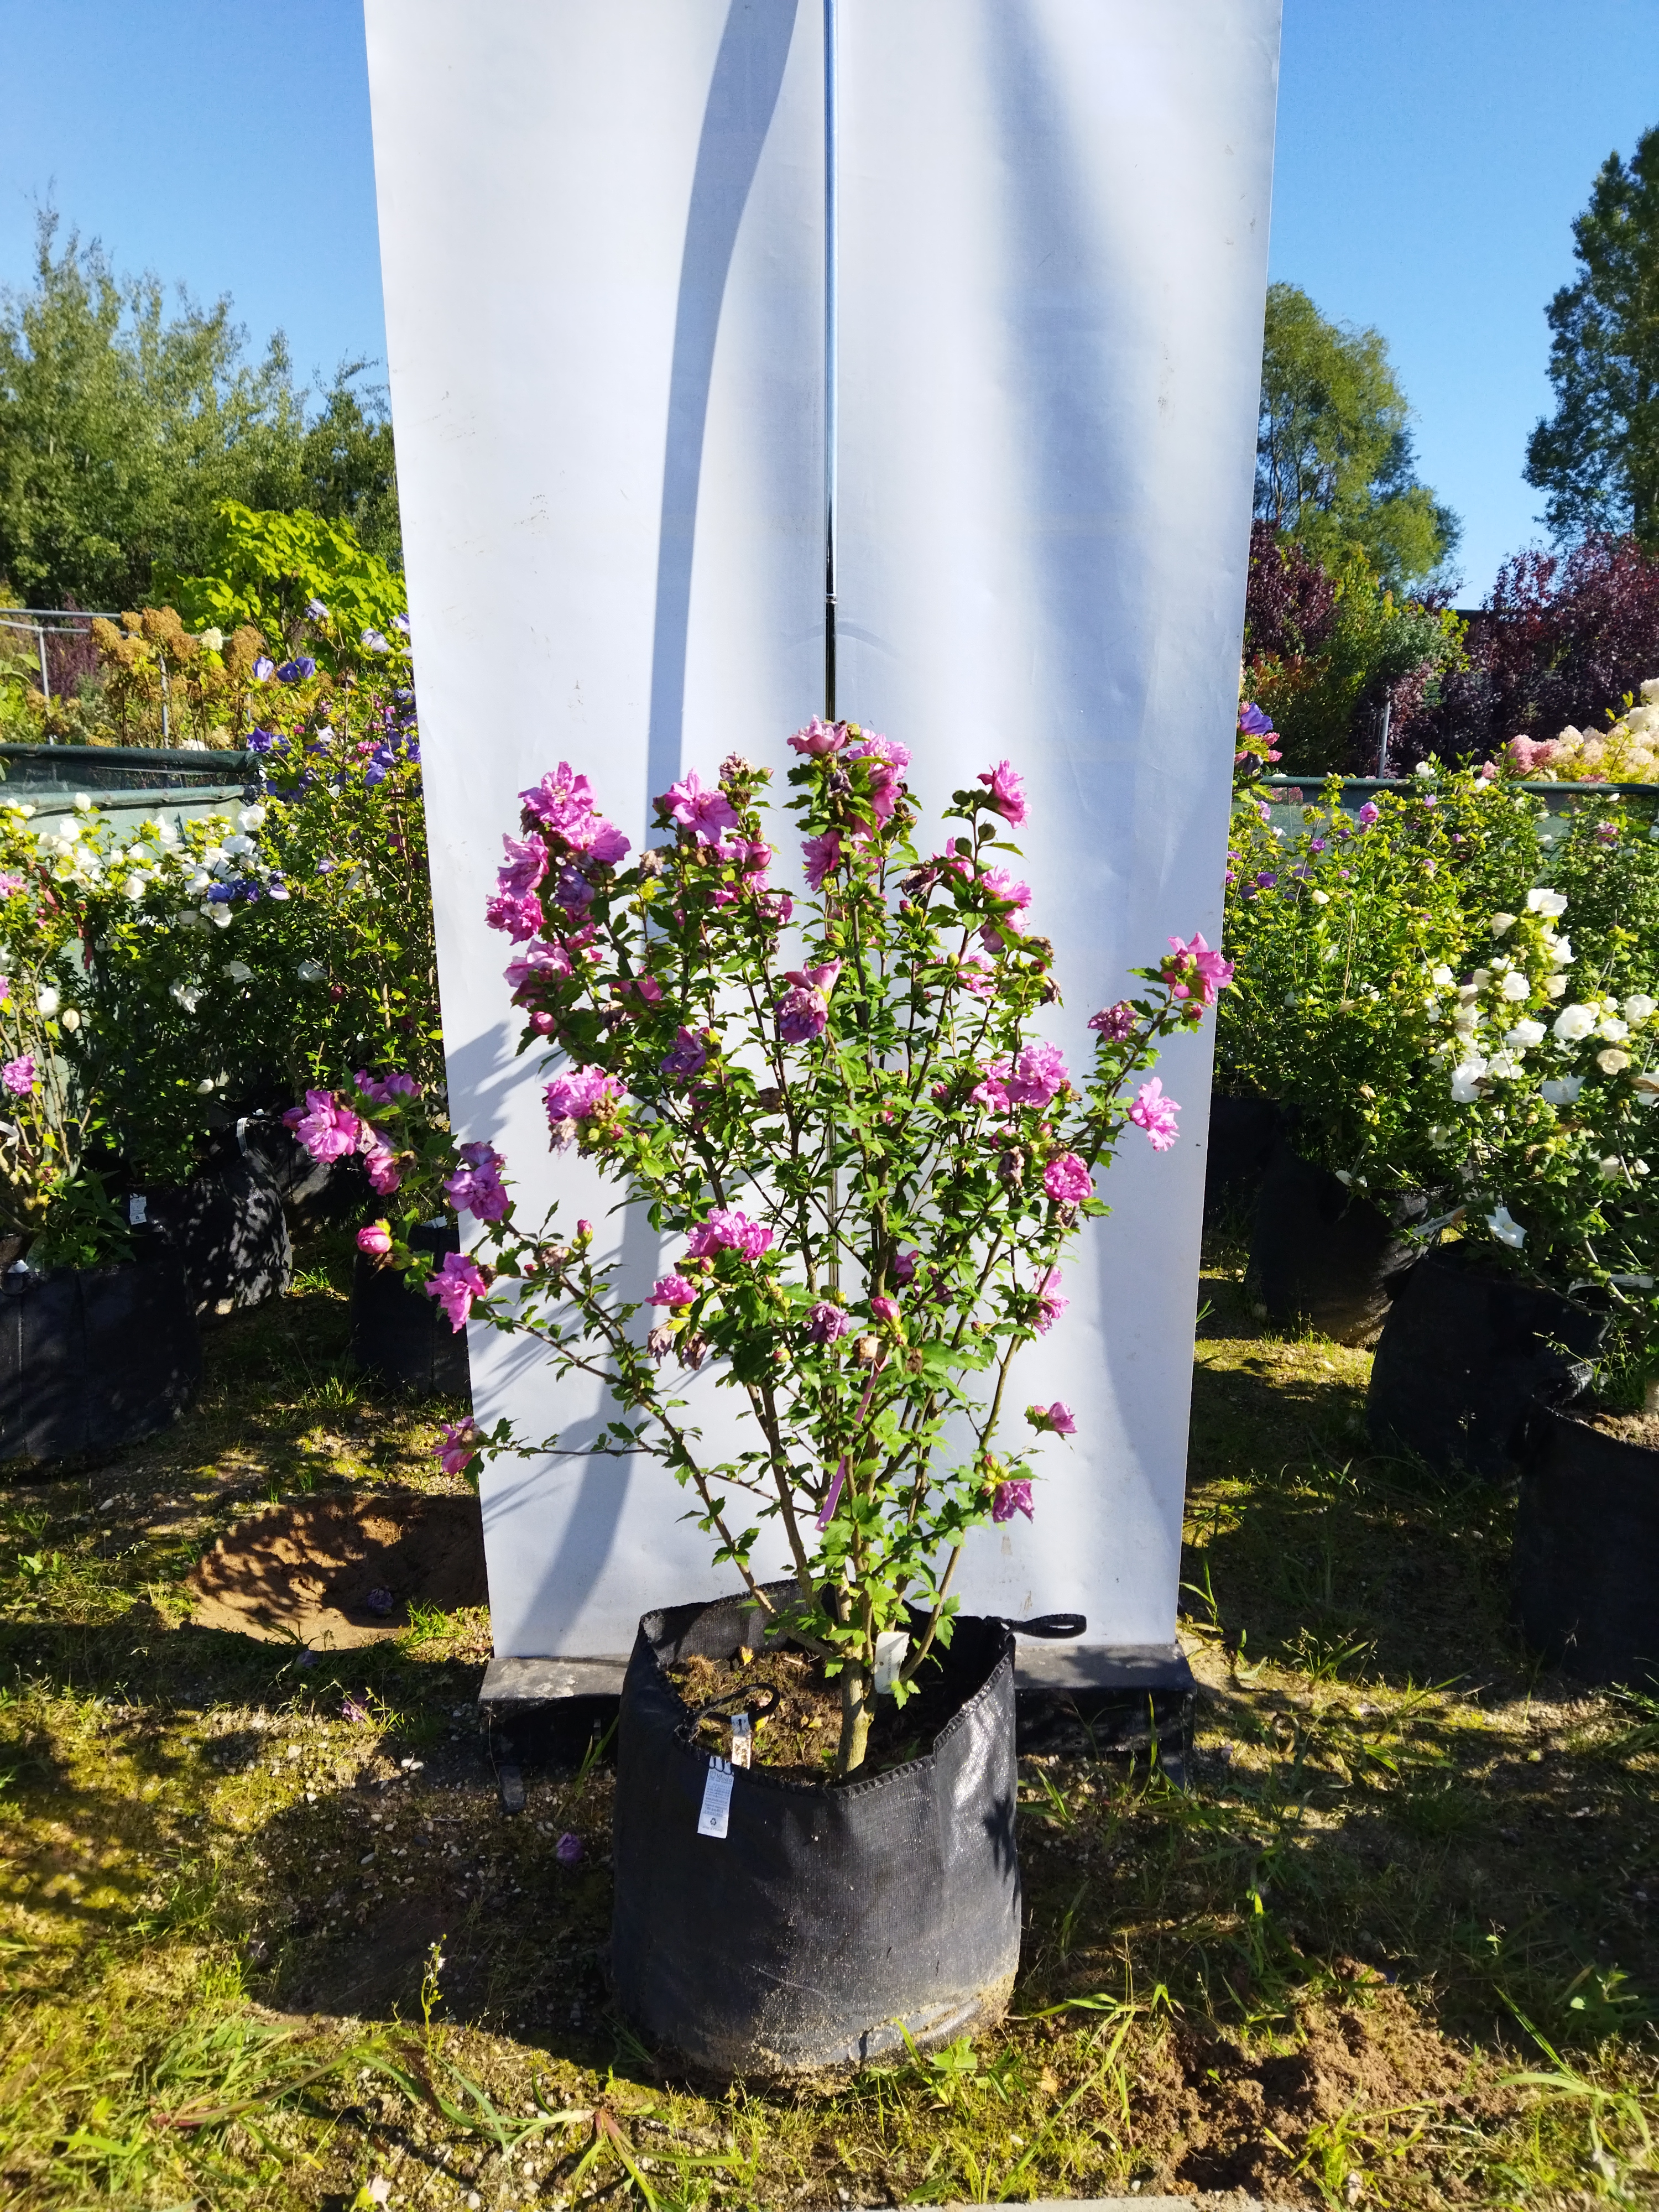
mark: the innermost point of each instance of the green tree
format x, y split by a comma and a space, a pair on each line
123, 427
1334, 463
1598, 455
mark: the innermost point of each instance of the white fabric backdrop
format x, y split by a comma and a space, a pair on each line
601, 242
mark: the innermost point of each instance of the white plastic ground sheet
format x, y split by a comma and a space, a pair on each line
601, 234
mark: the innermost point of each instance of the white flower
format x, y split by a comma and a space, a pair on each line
1319, 898
1552, 903
1500, 922
1425, 769
1613, 1061
1612, 1168
1466, 1081
205, 1087
70, 831
200, 881
139, 852
1514, 987
311, 971
1465, 1018
213, 640
239, 972
1561, 1090
135, 886
188, 995
1638, 1007
250, 817
238, 844
1559, 950
1556, 987
1440, 1136
1526, 1034
1506, 1228
82, 802
47, 1002
1506, 1066
1573, 1023
1289, 997
1613, 1029
69, 1019
220, 916
1442, 977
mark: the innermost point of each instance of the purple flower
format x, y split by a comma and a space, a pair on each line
1369, 812
1051, 1305
904, 1265
523, 867
1253, 722
260, 741
1007, 792
1156, 1115
264, 669
1054, 1420
18, 1076
1011, 1498
455, 1285
885, 1309
1066, 1180
822, 856
380, 1599
574, 892
728, 1231
671, 1291
475, 1187
381, 1093
458, 1447
825, 1322
295, 670
351, 1710
689, 1057
1266, 880
707, 814
317, 611
518, 918
1037, 1075
1114, 1024
568, 1850
580, 1095
803, 1010
380, 1162
373, 642
401, 622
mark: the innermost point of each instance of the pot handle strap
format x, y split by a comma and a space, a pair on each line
747, 1695
1054, 1626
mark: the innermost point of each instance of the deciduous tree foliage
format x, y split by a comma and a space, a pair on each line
1598, 456
122, 426
1335, 461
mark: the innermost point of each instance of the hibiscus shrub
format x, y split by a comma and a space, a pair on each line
840, 1112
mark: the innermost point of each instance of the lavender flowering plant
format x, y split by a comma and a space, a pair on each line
866, 1161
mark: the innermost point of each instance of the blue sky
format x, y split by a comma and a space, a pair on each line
1431, 156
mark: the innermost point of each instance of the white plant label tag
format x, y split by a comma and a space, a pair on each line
716, 1800
891, 1645
743, 1740
137, 1209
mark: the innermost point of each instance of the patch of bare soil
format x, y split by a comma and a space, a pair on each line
1640, 1429
1355, 2064
797, 1738
342, 1570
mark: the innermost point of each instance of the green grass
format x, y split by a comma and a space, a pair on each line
1394, 1947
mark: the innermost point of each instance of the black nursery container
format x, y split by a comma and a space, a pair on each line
92, 1359
1463, 1354
228, 1232
1586, 1561
1243, 1128
1324, 1254
829, 1920
399, 1334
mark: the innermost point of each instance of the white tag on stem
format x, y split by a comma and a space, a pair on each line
891, 1645
743, 1740
716, 1800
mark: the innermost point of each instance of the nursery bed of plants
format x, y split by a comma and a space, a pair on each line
269, 1939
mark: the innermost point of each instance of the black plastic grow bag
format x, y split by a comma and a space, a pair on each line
229, 1233
829, 1921
1242, 1130
400, 1334
1586, 1561
93, 1357
1463, 1354
1324, 1254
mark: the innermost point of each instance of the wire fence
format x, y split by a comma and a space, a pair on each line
60, 639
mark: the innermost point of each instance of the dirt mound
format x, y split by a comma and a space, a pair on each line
1358, 2061
342, 1570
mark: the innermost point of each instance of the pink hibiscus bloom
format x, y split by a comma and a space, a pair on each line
1007, 792
562, 799
458, 1282
475, 1187
10, 885
728, 1231
1066, 1180
689, 1055
597, 839
1011, 1498
382, 1093
671, 1289
1115, 1023
1156, 1115
820, 737
825, 1322
327, 1130
885, 1309
1051, 1305
18, 1076
1199, 967
537, 959
581, 1094
523, 867
458, 1447
1053, 1420
822, 855
707, 814
1037, 1075
380, 1162
517, 917
376, 1238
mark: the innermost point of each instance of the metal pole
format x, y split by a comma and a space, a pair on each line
40, 647
1382, 750
831, 352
